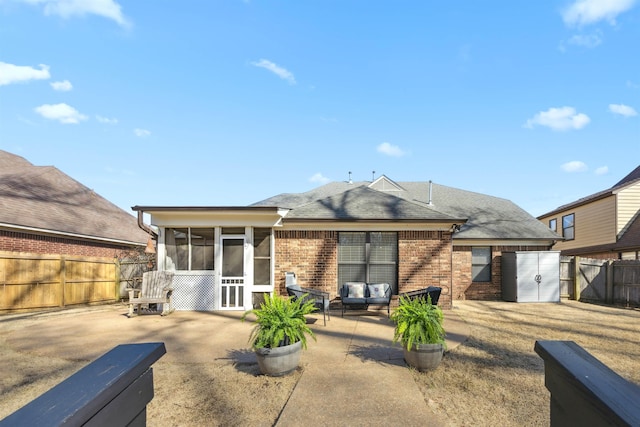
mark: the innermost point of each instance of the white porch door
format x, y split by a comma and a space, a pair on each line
232, 282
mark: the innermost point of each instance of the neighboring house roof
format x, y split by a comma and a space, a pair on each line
44, 199
630, 179
480, 216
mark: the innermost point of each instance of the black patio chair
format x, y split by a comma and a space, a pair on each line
320, 299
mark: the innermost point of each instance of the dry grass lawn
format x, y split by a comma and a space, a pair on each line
494, 378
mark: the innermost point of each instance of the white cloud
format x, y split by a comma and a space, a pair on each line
574, 166
586, 40
623, 110
61, 112
106, 120
141, 133
563, 118
10, 73
283, 73
319, 178
63, 86
390, 150
69, 8
602, 170
585, 12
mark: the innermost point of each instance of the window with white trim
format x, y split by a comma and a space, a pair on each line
370, 257
481, 264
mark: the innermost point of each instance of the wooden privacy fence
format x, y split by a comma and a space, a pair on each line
29, 281
600, 281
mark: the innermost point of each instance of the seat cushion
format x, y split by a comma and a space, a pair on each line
377, 290
355, 290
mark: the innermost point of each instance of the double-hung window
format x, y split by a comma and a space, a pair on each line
370, 257
568, 226
481, 264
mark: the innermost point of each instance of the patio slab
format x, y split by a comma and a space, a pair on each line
353, 375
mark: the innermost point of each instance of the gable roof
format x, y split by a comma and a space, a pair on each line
632, 178
44, 199
481, 216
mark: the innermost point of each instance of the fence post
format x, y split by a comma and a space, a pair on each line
116, 288
576, 278
63, 279
609, 283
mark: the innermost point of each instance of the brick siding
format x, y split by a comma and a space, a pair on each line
44, 244
312, 255
425, 260
465, 289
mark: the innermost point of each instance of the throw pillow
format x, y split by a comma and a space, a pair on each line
376, 291
356, 290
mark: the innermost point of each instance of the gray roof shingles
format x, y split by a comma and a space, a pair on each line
42, 197
487, 217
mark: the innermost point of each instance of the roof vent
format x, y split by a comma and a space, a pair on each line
350, 181
430, 203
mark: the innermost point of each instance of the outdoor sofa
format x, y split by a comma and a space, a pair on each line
361, 295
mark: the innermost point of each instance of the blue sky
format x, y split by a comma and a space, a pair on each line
230, 102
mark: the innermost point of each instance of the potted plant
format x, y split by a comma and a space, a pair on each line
280, 333
420, 331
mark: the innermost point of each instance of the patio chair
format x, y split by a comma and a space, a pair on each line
432, 291
156, 289
320, 299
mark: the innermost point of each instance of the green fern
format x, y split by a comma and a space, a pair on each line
418, 322
281, 321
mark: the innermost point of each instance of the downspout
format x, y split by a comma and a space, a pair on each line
451, 264
145, 227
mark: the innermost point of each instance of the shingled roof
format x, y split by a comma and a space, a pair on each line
45, 199
631, 178
481, 216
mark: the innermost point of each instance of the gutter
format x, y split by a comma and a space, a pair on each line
144, 226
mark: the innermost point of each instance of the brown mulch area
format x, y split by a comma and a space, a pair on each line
494, 378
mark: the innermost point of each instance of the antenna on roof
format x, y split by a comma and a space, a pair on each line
373, 176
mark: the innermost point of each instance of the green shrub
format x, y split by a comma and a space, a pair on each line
418, 322
281, 321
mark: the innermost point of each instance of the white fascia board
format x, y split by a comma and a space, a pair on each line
497, 242
367, 226
230, 218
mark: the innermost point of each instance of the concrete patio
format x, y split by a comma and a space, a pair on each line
350, 370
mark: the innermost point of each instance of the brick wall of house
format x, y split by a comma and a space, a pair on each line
43, 244
465, 289
425, 260
312, 255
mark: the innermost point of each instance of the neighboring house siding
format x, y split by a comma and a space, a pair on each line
595, 224
312, 255
425, 260
43, 244
628, 205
